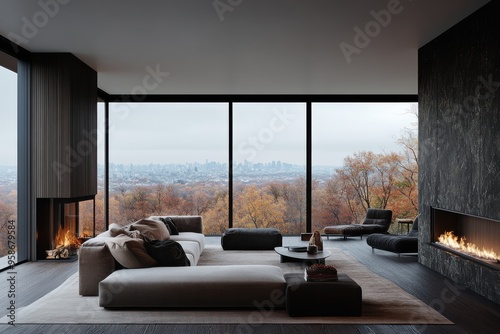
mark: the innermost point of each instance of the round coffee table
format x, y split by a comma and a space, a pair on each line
288, 255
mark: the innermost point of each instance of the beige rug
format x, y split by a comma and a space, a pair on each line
383, 301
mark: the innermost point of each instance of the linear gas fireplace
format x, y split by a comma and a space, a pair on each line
456, 259
471, 237
62, 225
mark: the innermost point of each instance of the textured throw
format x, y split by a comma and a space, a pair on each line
383, 301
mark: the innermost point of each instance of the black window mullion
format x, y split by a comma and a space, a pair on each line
230, 171
308, 166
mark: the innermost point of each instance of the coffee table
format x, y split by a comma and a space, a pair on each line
288, 255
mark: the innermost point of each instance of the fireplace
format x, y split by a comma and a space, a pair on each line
479, 275
62, 224
471, 237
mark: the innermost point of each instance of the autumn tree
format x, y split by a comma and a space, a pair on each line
216, 218
357, 174
330, 204
408, 170
386, 172
258, 209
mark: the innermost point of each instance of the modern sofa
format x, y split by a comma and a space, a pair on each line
396, 243
112, 250
116, 266
375, 221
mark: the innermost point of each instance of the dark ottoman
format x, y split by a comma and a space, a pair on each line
341, 298
251, 239
344, 230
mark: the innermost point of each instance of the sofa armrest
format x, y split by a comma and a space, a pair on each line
95, 263
185, 223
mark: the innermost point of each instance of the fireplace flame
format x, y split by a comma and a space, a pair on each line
451, 240
66, 238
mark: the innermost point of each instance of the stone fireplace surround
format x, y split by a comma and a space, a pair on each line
474, 274
481, 232
459, 145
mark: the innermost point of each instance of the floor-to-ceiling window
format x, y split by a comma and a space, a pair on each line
169, 159
91, 212
363, 155
173, 159
269, 157
8, 167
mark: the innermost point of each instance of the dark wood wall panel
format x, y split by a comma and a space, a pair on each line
459, 137
63, 127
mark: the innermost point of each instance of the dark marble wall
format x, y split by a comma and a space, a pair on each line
459, 137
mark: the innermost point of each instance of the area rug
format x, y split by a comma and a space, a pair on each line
383, 301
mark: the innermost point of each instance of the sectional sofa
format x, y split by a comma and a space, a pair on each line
116, 266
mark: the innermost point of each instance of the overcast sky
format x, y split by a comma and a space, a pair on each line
178, 133
8, 117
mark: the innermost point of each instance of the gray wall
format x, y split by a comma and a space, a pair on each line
459, 136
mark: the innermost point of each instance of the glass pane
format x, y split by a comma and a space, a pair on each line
364, 155
8, 167
269, 166
99, 199
86, 219
169, 159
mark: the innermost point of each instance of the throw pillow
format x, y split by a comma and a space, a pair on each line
116, 230
130, 252
168, 253
169, 223
151, 229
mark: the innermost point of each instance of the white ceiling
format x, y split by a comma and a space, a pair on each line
253, 47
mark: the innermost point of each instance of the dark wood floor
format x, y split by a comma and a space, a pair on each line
470, 312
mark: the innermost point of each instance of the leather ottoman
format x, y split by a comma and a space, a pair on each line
340, 298
251, 239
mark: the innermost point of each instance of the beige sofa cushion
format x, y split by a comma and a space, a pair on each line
116, 230
130, 252
151, 229
190, 236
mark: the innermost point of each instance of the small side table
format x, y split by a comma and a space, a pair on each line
404, 221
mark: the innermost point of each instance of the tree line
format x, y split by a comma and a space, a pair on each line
365, 180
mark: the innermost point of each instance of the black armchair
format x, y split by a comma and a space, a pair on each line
396, 243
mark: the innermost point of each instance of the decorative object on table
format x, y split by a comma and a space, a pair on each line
312, 249
297, 248
316, 240
321, 273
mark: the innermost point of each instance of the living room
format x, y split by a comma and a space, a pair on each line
456, 126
